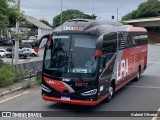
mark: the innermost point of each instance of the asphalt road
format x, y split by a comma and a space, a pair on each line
143, 95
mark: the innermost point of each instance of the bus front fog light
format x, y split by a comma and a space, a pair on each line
45, 88
88, 93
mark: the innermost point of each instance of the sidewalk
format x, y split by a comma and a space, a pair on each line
16, 86
157, 44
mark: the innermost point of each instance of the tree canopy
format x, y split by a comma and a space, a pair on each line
46, 22
71, 14
150, 8
8, 15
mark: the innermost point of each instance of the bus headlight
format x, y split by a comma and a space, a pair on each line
45, 88
88, 93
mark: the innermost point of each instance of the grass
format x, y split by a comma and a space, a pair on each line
8, 74
27, 85
39, 79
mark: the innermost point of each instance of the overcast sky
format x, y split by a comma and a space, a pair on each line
103, 9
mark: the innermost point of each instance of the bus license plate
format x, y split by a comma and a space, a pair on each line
65, 98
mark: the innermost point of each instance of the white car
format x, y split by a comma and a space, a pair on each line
2, 53
30, 40
30, 51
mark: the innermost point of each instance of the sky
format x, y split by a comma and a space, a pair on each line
103, 9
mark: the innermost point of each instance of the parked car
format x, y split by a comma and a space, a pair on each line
25, 37
30, 40
22, 54
7, 42
9, 52
24, 46
30, 51
2, 53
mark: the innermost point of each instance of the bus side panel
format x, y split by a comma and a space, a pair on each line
124, 68
128, 64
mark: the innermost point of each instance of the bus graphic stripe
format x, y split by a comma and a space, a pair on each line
58, 85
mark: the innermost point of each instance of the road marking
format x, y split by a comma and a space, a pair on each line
2, 101
156, 118
150, 87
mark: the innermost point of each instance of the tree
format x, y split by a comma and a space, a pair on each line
71, 14
150, 8
46, 22
8, 16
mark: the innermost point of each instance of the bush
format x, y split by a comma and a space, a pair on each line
39, 78
1, 63
20, 74
8, 74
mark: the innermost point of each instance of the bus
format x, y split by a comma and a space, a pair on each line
87, 61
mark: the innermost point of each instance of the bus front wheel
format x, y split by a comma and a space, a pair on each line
111, 90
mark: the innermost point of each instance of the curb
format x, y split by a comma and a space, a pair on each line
15, 89
10, 91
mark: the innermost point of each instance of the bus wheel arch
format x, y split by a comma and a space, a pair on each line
111, 90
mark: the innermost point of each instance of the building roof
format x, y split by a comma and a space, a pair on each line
145, 22
37, 23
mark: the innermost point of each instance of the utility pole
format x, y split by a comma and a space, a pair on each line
93, 11
61, 12
16, 54
117, 14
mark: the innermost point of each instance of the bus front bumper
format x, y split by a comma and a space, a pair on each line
73, 101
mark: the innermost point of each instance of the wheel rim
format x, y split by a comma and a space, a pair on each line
111, 90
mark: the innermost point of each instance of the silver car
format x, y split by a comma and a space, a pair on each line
2, 53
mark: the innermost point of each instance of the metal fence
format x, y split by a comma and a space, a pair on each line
31, 67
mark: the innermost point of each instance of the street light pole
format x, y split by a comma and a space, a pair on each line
117, 14
61, 12
16, 55
93, 11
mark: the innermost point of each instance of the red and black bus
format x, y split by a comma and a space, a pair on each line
87, 61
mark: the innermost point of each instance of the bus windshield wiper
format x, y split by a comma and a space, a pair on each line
73, 66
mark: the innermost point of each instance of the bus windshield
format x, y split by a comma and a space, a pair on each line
71, 54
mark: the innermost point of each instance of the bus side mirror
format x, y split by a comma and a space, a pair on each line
39, 42
49, 38
98, 53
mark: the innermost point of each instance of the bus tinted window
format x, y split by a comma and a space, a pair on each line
140, 39
71, 54
84, 41
109, 43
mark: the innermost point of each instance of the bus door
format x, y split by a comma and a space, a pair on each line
109, 49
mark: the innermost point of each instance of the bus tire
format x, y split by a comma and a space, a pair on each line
138, 76
33, 55
110, 91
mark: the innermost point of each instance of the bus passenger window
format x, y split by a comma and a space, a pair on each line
109, 43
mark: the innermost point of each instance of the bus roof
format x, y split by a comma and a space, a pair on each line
97, 27
83, 25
